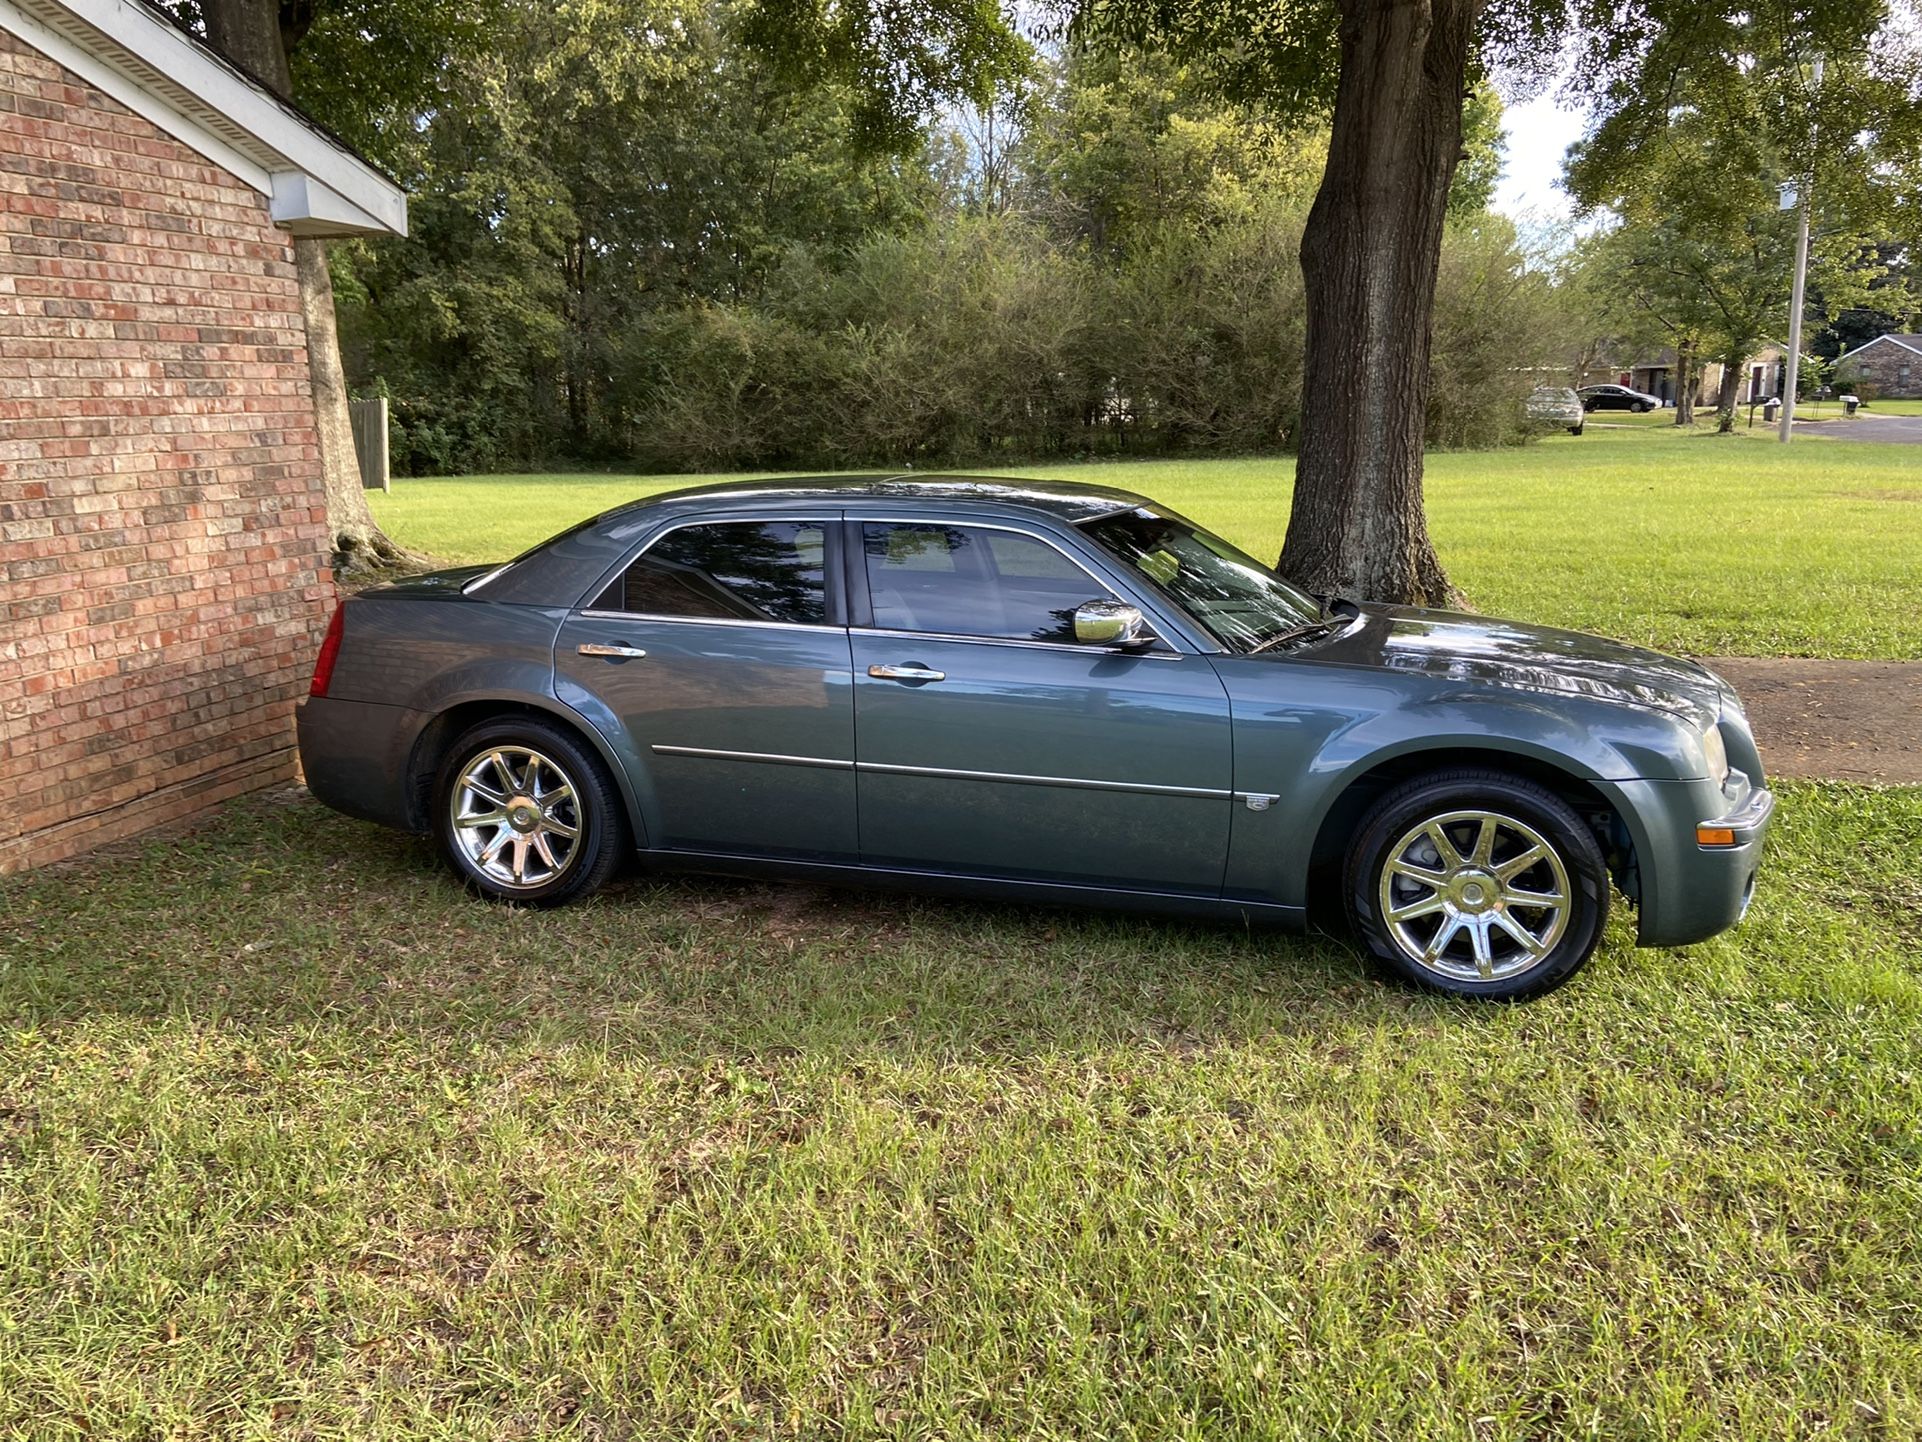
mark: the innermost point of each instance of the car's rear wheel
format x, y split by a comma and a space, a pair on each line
1578, 428
1479, 884
526, 813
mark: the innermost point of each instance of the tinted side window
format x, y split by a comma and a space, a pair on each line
1023, 558
960, 581
731, 570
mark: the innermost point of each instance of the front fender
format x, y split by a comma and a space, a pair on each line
1311, 747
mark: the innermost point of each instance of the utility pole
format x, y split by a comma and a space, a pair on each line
1800, 289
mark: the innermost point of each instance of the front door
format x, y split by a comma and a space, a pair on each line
990, 743
721, 654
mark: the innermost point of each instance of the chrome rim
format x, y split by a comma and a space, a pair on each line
517, 820
1474, 896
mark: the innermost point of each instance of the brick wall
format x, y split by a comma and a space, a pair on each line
162, 521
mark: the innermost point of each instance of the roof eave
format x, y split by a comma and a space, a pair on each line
1891, 338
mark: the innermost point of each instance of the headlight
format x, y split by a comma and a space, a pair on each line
1717, 754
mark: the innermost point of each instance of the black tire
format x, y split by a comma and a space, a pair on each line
593, 808
1642, 408
1576, 430
1526, 815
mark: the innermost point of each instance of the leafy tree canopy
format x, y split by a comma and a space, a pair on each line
1131, 142
1699, 258
367, 69
1627, 63
899, 59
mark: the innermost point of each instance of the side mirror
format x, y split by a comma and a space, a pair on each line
1110, 623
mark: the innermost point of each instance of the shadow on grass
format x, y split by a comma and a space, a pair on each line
278, 913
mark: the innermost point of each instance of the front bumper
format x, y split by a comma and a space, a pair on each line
1747, 823
1691, 891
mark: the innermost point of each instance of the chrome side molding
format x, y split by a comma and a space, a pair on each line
1254, 800
769, 758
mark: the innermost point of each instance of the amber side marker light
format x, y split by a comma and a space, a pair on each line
1714, 836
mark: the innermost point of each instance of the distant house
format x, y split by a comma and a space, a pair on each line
163, 535
1892, 364
1763, 375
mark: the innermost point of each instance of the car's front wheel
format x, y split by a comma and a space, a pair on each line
526, 813
1578, 428
1479, 884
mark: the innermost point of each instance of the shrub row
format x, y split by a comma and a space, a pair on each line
984, 340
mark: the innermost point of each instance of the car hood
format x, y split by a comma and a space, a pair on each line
1453, 646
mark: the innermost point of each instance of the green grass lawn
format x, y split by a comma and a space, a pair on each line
1690, 542
298, 1142
1642, 419
1889, 408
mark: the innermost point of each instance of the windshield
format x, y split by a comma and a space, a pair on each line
1239, 601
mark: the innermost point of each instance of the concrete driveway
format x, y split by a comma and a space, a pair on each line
1897, 430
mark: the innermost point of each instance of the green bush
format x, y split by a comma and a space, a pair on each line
964, 341
637, 244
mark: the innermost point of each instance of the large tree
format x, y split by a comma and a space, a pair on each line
1393, 76
1700, 254
365, 68
1696, 239
592, 172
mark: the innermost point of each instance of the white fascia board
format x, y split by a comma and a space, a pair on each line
163, 76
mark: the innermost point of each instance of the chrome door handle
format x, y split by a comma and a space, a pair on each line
906, 673
618, 653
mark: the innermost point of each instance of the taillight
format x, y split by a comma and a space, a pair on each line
329, 653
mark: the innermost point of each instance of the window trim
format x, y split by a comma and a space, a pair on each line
833, 575
861, 607
813, 627
1160, 651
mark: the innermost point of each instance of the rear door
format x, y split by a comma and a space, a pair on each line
722, 653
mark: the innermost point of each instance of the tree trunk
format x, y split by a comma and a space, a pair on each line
1685, 382
1725, 399
356, 539
247, 32
1369, 257
251, 34
574, 317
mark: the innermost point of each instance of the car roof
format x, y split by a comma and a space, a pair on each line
553, 572
1068, 500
